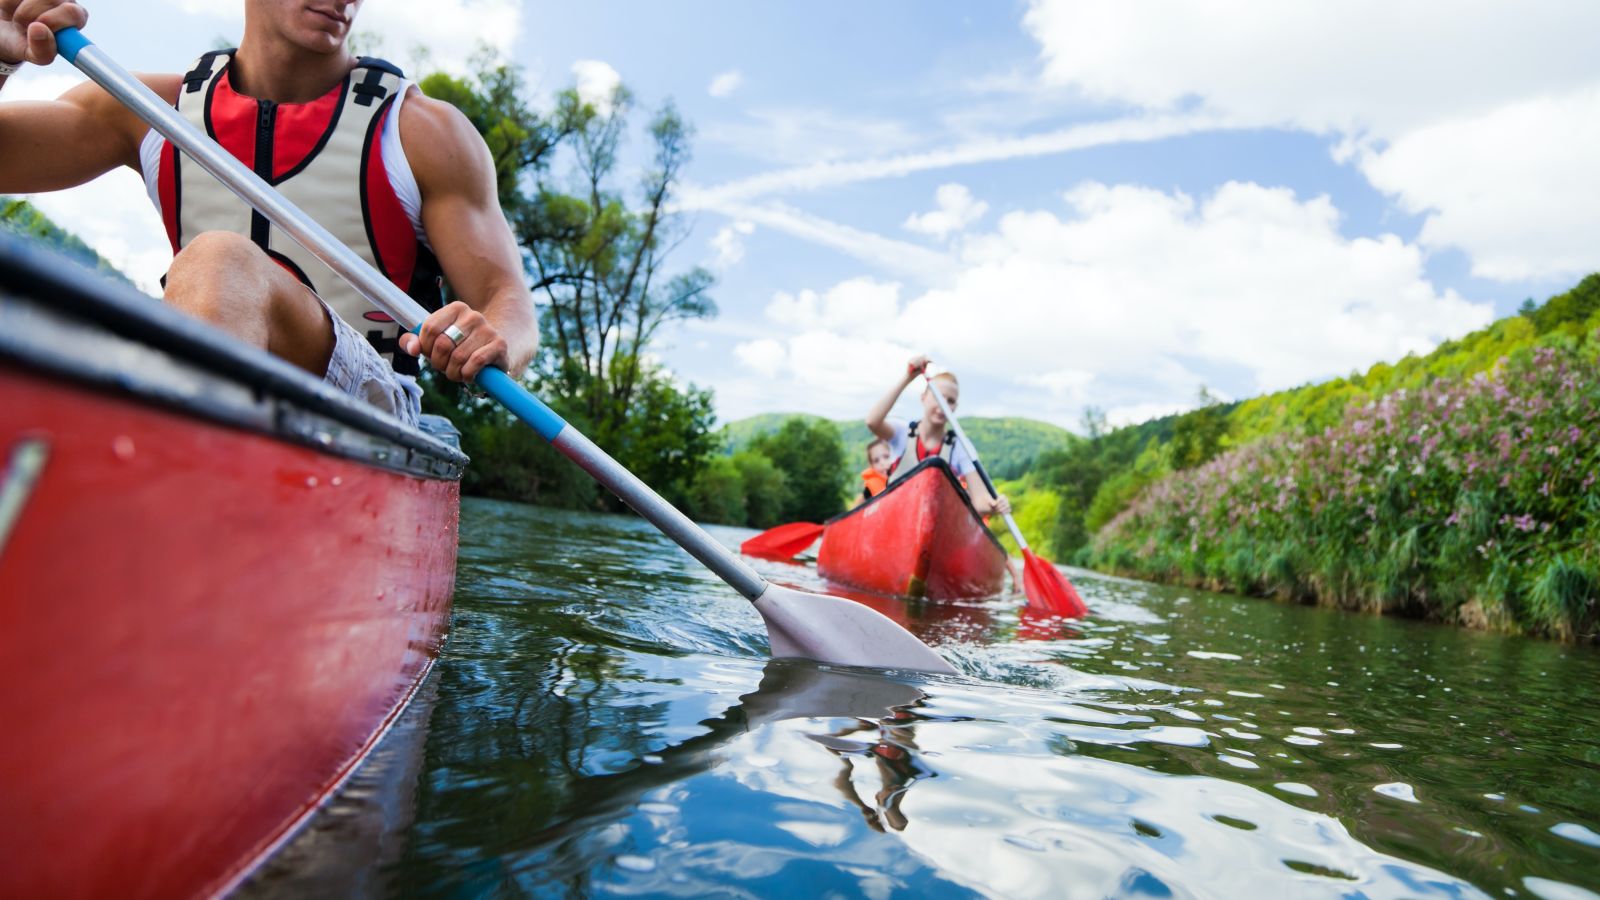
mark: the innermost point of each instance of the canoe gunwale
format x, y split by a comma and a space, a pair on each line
950, 476
67, 321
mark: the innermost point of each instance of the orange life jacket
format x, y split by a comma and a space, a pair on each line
875, 482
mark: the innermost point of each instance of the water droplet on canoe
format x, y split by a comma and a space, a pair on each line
337, 480
122, 447
311, 481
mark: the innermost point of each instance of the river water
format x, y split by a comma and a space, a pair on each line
605, 721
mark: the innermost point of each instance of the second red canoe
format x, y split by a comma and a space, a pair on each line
920, 538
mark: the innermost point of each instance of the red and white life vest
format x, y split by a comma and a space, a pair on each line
914, 452
325, 157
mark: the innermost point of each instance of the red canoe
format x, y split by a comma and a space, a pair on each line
220, 583
919, 538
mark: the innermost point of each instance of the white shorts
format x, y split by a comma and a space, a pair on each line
355, 368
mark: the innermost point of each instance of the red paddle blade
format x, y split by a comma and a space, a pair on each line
1048, 589
783, 542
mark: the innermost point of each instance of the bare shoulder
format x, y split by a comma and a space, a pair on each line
440, 142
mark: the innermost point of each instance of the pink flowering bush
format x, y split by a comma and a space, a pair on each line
1470, 498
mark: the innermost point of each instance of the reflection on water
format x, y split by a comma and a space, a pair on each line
607, 723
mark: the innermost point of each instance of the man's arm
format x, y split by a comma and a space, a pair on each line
880, 411
461, 214
61, 143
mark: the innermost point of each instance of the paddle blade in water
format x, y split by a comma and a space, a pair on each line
783, 542
832, 630
1048, 590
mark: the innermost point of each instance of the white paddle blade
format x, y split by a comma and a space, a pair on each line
832, 630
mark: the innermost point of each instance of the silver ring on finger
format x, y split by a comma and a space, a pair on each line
455, 334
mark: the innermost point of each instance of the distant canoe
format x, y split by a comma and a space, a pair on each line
920, 538
220, 582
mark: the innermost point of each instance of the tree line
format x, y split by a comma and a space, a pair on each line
597, 241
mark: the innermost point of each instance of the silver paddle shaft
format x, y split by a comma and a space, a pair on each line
249, 187
305, 231
972, 454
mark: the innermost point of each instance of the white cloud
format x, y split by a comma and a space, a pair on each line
725, 83
1358, 65
812, 176
1069, 383
597, 83
1514, 188
1250, 278
806, 135
900, 257
765, 356
856, 306
1482, 116
955, 209
729, 243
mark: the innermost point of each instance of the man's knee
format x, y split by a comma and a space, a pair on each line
220, 276
216, 255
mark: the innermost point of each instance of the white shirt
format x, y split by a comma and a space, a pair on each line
960, 463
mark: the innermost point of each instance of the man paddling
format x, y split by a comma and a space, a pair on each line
403, 180
912, 442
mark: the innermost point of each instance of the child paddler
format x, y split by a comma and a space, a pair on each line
929, 436
402, 179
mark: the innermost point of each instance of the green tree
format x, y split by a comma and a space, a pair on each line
597, 256
717, 494
766, 489
599, 261
1197, 435
811, 458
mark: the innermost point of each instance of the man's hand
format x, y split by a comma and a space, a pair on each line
28, 28
480, 344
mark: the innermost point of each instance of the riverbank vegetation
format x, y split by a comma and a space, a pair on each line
1459, 485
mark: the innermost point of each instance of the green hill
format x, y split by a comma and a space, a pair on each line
1008, 444
21, 217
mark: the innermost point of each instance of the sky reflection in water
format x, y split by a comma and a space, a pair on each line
607, 723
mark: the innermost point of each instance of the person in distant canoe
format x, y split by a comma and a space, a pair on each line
912, 442
875, 477
402, 179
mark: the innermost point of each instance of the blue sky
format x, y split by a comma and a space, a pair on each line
1070, 204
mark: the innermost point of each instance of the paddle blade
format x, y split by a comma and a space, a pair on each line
783, 542
1048, 590
832, 630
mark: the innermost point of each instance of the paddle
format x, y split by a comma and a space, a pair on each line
801, 624
1043, 583
783, 542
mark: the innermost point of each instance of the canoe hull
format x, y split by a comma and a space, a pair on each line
207, 637
218, 587
920, 539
